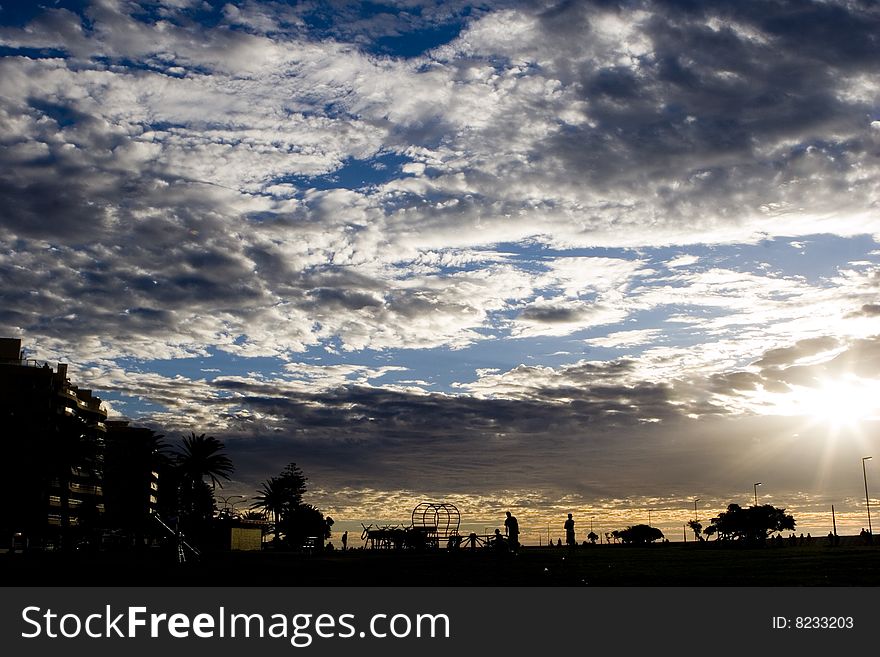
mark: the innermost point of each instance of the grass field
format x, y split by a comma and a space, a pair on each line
606, 565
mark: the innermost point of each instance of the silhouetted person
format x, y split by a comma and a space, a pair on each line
558, 542
345, 540
569, 531
831, 538
511, 528
499, 543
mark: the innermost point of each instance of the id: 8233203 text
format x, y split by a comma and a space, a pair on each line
813, 623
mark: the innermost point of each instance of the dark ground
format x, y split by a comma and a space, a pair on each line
602, 565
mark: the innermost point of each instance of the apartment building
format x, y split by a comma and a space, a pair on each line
54, 440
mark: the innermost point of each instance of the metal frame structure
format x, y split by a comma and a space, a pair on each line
433, 525
438, 521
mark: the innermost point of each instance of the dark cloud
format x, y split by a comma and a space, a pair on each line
332, 298
551, 314
735, 381
867, 310
736, 103
779, 368
786, 356
360, 436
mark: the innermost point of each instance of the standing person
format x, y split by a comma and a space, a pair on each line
569, 531
345, 540
511, 528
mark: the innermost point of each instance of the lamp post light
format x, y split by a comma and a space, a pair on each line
226, 505
867, 499
756, 492
241, 501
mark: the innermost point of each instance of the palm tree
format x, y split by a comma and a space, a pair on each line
274, 500
199, 457
281, 497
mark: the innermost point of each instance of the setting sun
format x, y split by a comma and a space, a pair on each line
842, 402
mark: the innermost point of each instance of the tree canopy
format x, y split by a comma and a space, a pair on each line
281, 497
639, 535
752, 524
202, 456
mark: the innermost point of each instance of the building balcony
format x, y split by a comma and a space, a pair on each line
85, 489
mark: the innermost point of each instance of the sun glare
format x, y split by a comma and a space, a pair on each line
840, 403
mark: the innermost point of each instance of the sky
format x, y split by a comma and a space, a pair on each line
591, 257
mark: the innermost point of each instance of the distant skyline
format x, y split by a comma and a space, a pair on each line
588, 257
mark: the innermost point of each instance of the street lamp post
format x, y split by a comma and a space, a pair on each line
226, 506
232, 506
756, 492
696, 499
867, 499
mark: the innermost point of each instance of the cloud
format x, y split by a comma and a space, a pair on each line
786, 356
682, 261
188, 148
867, 310
626, 338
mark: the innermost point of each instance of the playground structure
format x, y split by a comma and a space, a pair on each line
433, 525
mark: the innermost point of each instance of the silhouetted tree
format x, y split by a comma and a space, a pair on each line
303, 521
272, 498
593, 537
697, 527
281, 498
640, 535
752, 524
200, 456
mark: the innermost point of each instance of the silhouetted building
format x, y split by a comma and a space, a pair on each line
131, 479
54, 441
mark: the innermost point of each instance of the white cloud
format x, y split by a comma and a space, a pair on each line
632, 338
682, 261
